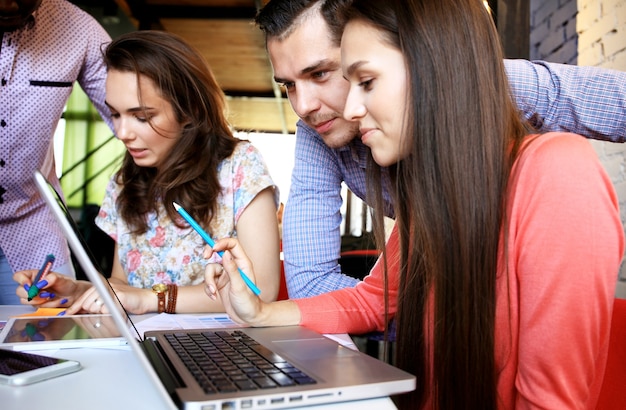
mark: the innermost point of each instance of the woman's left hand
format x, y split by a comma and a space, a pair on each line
89, 302
133, 300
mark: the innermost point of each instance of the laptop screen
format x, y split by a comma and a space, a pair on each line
68, 216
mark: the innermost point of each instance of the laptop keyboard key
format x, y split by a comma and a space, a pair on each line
267, 354
246, 385
264, 382
304, 379
282, 379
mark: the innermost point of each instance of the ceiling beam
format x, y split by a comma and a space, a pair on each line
261, 115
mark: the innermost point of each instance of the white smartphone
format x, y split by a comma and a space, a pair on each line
19, 368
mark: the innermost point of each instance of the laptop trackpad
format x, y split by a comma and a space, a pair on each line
313, 349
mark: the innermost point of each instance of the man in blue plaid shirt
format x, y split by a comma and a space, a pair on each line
303, 42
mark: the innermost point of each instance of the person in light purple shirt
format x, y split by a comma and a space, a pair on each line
303, 43
46, 47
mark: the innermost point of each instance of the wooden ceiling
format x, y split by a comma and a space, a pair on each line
224, 32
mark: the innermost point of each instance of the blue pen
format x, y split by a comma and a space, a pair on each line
47, 265
211, 243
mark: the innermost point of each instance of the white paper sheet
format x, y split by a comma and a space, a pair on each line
165, 321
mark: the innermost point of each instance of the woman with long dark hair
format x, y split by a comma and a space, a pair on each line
501, 270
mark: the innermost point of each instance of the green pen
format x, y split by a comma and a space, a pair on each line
47, 265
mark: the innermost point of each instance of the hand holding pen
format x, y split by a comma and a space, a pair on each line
224, 280
211, 243
35, 287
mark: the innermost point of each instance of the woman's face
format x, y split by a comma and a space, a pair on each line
378, 90
148, 128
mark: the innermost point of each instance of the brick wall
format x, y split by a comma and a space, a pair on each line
553, 31
587, 33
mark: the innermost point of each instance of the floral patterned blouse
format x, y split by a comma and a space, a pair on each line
168, 254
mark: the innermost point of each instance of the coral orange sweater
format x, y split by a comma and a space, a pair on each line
565, 244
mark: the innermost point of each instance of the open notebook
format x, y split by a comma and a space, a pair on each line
264, 368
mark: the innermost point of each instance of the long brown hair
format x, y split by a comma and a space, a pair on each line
189, 174
450, 194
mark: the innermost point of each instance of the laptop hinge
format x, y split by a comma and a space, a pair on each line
162, 366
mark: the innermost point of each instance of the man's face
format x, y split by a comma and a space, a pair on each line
308, 65
15, 13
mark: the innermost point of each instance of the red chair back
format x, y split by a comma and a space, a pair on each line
282, 290
613, 393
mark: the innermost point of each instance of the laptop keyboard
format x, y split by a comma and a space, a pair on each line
230, 361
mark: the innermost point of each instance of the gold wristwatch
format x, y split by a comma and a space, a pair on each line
160, 289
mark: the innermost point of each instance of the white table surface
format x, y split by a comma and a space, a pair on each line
110, 378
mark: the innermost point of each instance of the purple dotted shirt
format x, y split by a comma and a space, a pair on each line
38, 67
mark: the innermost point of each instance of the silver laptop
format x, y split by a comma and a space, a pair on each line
283, 366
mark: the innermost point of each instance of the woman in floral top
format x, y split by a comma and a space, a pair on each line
168, 110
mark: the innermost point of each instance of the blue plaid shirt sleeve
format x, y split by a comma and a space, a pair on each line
589, 101
312, 219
